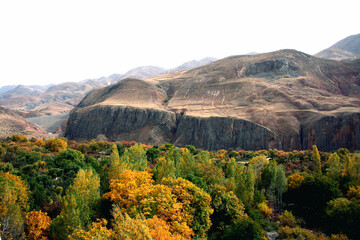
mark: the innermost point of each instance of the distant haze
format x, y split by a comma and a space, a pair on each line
45, 42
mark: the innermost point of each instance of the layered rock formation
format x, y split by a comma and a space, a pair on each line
285, 99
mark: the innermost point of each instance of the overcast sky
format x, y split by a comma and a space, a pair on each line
44, 42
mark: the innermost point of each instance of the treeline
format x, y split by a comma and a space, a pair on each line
60, 189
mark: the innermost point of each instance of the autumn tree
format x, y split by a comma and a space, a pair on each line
344, 217
164, 168
352, 167
160, 230
334, 166
2, 151
97, 231
56, 144
137, 156
258, 163
135, 193
116, 166
14, 204
315, 158
126, 227
353, 192
153, 154
196, 203
295, 180
37, 225
79, 204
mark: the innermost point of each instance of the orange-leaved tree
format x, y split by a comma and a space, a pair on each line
37, 225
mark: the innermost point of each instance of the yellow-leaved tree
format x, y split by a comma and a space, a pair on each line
14, 196
134, 192
97, 231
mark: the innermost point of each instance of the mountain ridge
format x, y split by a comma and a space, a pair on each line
285, 93
343, 50
47, 99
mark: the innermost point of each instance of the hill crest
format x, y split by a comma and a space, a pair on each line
283, 92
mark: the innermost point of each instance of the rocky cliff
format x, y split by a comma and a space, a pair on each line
153, 126
285, 99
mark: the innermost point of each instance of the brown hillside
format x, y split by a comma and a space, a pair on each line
12, 123
285, 92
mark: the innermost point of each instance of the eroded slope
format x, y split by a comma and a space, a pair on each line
284, 99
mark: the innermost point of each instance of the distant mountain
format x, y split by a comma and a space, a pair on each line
337, 54
61, 98
21, 90
285, 100
350, 44
7, 88
193, 64
144, 72
344, 50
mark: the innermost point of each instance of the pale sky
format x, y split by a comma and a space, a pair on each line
43, 42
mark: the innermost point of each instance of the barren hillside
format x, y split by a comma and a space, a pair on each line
294, 99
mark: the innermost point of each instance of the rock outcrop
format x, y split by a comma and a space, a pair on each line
158, 126
285, 100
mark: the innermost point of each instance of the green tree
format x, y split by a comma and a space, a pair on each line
245, 180
68, 162
153, 154
79, 204
309, 200
273, 181
228, 210
344, 217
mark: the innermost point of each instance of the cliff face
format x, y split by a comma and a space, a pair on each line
156, 127
122, 123
333, 132
285, 100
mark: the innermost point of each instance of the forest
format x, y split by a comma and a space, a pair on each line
62, 189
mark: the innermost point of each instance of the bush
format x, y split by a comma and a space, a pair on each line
56, 144
287, 219
246, 228
18, 138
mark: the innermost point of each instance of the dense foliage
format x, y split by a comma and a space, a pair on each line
60, 189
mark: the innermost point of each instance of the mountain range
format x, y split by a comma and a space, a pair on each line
284, 99
33, 101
